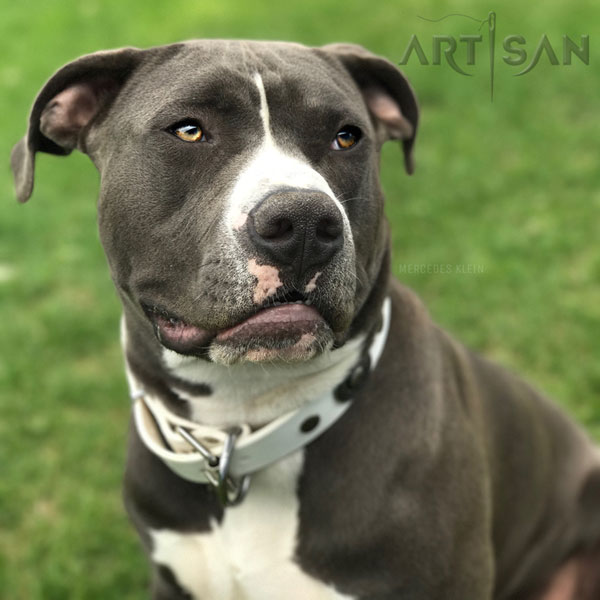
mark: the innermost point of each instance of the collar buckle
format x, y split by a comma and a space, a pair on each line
230, 491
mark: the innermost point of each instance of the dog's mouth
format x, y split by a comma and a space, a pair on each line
290, 327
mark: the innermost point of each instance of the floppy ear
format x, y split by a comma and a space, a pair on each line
73, 98
387, 94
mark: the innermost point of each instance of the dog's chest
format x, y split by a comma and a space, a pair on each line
250, 554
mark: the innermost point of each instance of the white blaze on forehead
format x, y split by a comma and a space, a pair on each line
267, 280
271, 168
264, 107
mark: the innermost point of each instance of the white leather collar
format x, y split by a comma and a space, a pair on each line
159, 428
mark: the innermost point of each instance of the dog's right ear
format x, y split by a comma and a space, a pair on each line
66, 107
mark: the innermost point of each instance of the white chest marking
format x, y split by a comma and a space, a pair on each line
250, 554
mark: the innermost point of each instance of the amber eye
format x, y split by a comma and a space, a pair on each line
188, 131
346, 138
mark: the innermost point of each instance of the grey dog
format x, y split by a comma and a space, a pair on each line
301, 429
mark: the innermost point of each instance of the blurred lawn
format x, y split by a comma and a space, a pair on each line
512, 187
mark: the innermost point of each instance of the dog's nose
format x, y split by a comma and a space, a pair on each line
302, 229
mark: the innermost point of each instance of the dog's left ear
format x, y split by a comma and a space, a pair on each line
66, 107
387, 94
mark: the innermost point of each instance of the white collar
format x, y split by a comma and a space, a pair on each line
159, 428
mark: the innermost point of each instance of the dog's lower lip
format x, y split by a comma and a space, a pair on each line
295, 318
281, 320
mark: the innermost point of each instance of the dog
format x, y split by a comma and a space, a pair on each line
301, 429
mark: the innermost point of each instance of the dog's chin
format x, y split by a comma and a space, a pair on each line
266, 350
286, 333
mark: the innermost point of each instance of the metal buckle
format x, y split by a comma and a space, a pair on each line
230, 491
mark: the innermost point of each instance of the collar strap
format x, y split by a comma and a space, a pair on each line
192, 450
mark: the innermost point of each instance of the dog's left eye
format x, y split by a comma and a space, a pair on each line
188, 131
346, 137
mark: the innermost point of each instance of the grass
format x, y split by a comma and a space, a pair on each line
510, 187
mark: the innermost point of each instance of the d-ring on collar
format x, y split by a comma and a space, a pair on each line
196, 452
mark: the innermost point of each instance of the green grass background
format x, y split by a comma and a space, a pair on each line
512, 187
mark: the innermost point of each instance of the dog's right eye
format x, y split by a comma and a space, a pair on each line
188, 131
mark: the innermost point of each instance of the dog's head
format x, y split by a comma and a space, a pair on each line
240, 207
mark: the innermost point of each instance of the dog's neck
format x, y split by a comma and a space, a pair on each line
223, 396
256, 393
